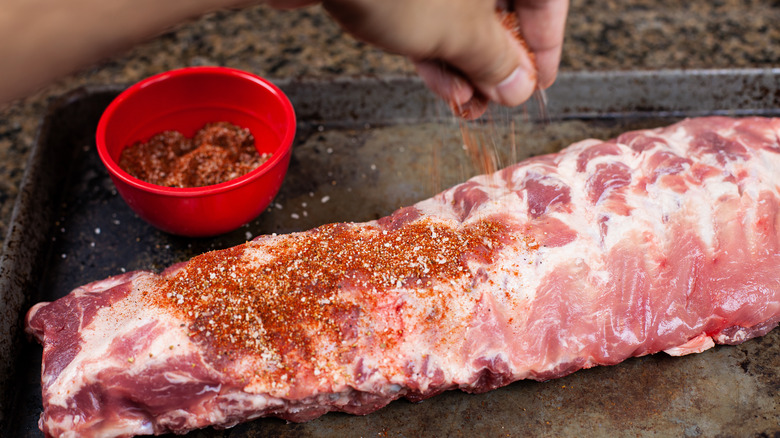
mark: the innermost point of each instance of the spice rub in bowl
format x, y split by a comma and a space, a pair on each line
185, 101
217, 153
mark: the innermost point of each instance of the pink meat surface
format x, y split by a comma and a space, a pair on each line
660, 240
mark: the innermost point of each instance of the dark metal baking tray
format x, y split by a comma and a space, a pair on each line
364, 147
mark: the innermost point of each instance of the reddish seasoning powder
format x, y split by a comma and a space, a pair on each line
478, 147
272, 308
217, 153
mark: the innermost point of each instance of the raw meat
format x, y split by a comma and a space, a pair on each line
660, 240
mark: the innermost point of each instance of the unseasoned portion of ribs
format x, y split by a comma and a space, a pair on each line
660, 240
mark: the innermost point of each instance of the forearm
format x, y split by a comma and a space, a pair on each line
41, 40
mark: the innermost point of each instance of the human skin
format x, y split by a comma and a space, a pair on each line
41, 40
460, 47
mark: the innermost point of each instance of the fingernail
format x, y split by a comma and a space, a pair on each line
461, 90
472, 109
516, 88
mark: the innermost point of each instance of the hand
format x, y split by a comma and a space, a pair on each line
460, 47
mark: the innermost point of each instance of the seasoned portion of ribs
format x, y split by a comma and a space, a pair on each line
659, 240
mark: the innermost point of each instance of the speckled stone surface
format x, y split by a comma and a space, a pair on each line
605, 35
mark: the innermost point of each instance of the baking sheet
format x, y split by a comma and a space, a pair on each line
366, 146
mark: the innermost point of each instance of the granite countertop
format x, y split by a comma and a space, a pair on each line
613, 35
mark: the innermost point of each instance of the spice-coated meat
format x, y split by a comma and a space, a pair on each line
660, 240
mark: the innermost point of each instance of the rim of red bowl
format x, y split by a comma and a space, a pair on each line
113, 166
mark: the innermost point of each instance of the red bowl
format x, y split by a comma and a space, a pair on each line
185, 100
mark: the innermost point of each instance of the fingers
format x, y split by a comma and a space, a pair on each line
461, 48
492, 60
542, 24
488, 54
444, 82
453, 88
